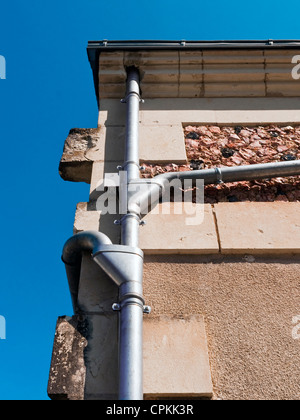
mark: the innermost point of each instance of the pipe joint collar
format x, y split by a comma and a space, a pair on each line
123, 264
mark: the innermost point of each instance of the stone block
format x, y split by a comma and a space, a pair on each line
162, 144
110, 145
89, 218
247, 73
112, 113
281, 72
169, 233
98, 176
111, 61
176, 362
158, 75
84, 219
158, 90
258, 228
97, 292
101, 357
145, 59
84, 363
191, 90
76, 163
234, 89
191, 57
233, 57
68, 371
289, 88
220, 110
280, 56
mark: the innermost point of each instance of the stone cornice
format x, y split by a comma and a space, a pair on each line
196, 73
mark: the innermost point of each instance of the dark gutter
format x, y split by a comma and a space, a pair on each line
178, 45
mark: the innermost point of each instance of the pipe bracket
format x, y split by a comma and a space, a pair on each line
116, 307
124, 100
147, 310
219, 176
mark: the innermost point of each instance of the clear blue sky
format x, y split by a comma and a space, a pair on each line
49, 89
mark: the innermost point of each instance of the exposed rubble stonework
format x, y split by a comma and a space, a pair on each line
214, 146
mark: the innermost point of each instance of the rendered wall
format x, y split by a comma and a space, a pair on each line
248, 309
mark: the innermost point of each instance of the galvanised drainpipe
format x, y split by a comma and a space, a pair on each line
131, 221
156, 187
122, 263
131, 302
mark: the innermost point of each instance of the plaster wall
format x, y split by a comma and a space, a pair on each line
248, 308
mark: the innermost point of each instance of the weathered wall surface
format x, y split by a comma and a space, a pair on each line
248, 309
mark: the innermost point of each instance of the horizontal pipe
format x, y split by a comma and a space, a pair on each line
155, 188
238, 173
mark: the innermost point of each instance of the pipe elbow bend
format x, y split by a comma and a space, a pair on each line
87, 241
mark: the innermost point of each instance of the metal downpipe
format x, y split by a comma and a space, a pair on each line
130, 223
124, 265
131, 303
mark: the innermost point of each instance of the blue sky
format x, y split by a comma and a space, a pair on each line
48, 91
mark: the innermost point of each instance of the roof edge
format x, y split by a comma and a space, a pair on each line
183, 44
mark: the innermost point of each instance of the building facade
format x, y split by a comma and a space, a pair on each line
221, 272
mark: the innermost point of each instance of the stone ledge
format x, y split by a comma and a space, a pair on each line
236, 228
233, 111
173, 233
87, 218
163, 233
258, 228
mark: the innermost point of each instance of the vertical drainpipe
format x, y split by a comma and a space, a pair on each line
131, 297
131, 222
